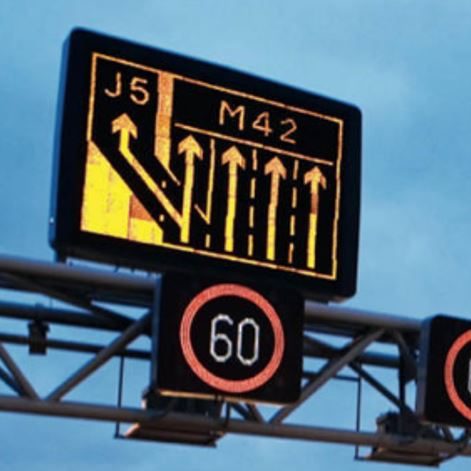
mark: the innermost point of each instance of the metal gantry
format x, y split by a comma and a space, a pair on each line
339, 343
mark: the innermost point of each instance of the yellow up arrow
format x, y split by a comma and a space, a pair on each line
315, 179
124, 125
277, 170
234, 159
190, 147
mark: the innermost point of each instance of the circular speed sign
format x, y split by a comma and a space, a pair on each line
232, 338
457, 374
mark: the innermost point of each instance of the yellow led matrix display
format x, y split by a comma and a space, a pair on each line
206, 175
194, 163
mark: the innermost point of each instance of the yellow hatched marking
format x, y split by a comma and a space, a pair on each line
145, 231
107, 207
163, 122
164, 118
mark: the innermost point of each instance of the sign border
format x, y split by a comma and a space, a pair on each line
231, 386
66, 236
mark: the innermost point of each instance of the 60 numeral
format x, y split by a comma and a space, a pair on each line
226, 345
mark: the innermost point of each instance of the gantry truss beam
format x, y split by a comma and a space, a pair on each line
339, 343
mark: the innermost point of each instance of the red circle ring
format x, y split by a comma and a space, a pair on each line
231, 386
450, 361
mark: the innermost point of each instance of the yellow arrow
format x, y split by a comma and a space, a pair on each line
190, 147
315, 179
206, 214
234, 159
126, 128
277, 170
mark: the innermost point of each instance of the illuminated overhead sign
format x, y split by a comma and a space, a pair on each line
169, 162
444, 387
227, 340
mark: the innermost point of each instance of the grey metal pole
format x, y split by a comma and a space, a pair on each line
180, 421
337, 313
55, 315
137, 288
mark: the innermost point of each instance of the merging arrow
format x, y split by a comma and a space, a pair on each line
235, 160
277, 170
206, 213
126, 128
315, 179
190, 147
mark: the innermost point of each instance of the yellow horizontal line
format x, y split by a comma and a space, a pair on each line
223, 89
223, 256
234, 258
263, 100
253, 144
227, 397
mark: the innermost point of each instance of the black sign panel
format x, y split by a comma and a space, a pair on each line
169, 162
224, 339
444, 387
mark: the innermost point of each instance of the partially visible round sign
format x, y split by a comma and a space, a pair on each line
232, 338
457, 374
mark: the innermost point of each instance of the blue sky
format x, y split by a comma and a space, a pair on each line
405, 63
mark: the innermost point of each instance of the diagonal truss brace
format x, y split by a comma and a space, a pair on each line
21, 381
130, 334
332, 367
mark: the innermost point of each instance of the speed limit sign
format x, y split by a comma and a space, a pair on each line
225, 339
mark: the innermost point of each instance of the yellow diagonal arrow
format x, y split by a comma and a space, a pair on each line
126, 128
206, 213
190, 147
315, 179
277, 170
235, 160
